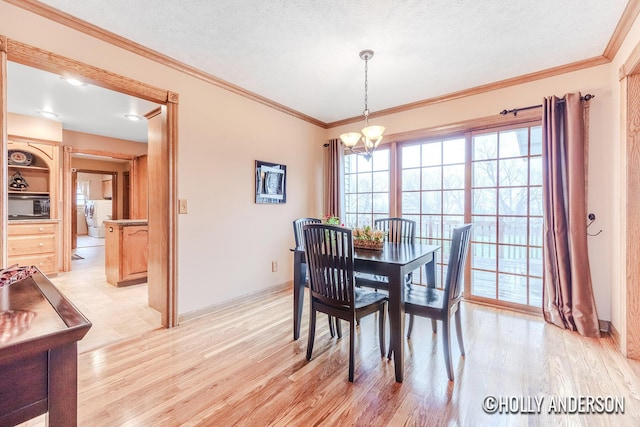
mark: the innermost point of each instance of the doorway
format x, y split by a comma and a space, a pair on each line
163, 202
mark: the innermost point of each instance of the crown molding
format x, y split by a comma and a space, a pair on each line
515, 81
627, 19
72, 22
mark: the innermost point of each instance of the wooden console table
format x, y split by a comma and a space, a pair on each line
38, 353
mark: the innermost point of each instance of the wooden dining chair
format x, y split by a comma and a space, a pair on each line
329, 251
298, 235
441, 304
399, 230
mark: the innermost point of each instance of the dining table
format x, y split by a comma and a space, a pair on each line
395, 261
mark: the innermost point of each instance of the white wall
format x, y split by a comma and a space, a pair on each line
226, 242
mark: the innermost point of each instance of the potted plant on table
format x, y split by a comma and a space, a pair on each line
368, 238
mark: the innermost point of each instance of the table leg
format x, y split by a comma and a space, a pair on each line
63, 386
430, 272
299, 278
396, 322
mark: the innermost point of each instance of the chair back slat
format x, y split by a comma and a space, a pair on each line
457, 258
329, 251
298, 224
399, 230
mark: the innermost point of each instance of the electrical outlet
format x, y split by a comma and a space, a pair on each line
182, 206
274, 266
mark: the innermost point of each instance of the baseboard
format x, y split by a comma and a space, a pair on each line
233, 302
613, 332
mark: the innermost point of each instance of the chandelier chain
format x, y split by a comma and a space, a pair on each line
366, 87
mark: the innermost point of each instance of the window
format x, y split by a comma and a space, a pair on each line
366, 188
506, 209
492, 178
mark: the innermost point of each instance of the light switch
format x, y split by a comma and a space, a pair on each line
182, 206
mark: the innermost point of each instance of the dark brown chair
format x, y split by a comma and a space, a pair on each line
399, 230
298, 234
441, 304
329, 251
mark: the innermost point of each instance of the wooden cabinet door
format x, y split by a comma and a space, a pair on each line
135, 240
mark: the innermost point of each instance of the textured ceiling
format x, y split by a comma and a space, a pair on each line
304, 54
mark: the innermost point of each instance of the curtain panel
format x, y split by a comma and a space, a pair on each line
333, 179
567, 292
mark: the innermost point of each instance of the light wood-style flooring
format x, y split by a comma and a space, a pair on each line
116, 313
241, 367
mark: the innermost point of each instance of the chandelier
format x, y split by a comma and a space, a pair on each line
370, 135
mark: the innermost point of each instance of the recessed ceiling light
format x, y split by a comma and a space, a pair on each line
74, 82
48, 114
133, 117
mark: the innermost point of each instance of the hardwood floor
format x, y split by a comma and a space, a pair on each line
240, 366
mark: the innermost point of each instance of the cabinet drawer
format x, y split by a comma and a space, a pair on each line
30, 229
46, 263
27, 245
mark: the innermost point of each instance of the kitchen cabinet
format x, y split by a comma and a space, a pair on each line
33, 243
126, 248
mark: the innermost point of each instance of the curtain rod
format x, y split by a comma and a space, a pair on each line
587, 97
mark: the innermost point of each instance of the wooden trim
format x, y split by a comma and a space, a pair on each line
503, 305
100, 153
461, 127
632, 64
67, 208
515, 81
58, 64
632, 215
615, 335
65, 19
172, 238
627, 19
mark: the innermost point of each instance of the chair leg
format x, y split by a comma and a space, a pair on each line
434, 326
446, 346
338, 328
459, 331
312, 332
332, 330
381, 324
352, 341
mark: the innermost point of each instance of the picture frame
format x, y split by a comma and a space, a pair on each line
271, 183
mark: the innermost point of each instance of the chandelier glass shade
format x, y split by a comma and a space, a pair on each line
370, 135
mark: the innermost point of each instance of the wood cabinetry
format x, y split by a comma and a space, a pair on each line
33, 243
126, 247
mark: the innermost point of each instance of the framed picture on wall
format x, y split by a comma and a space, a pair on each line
271, 182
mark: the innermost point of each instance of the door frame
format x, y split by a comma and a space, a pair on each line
162, 232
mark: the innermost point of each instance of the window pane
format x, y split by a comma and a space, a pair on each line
453, 151
514, 143
453, 202
483, 201
364, 182
512, 201
411, 156
380, 160
535, 201
453, 176
512, 259
513, 172
364, 165
483, 284
432, 178
350, 220
536, 140
512, 288
381, 181
431, 202
513, 230
484, 229
535, 174
535, 292
431, 226
535, 259
364, 220
351, 202
484, 173
381, 203
535, 231
365, 202
485, 146
410, 203
410, 179
431, 155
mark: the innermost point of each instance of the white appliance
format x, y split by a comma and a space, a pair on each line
96, 211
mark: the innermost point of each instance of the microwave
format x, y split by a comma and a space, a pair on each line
28, 206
